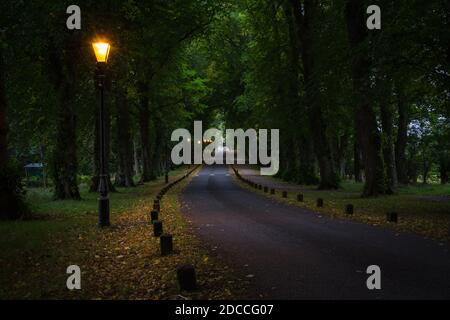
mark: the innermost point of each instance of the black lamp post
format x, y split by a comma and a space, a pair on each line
101, 50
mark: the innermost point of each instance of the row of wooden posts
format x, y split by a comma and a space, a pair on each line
185, 273
348, 209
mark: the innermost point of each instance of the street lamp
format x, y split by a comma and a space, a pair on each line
101, 50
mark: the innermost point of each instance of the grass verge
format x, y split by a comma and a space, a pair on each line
120, 262
422, 209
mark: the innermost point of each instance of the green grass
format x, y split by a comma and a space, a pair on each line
27, 245
422, 209
51, 217
42, 203
120, 262
56, 216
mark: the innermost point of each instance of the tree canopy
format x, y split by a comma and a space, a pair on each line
351, 103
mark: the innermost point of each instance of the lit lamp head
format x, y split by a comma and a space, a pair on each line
101, 50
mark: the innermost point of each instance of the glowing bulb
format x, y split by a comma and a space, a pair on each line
101, 50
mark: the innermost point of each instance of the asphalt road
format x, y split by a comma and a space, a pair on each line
291, 253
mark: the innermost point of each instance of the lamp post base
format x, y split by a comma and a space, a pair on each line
103, 212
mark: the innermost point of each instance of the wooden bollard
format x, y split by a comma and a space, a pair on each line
157, 228
300, 197
260, 187
392, 217
156, 206
166, 176
284, 194
320, 202
272, 191
156, 201
186, 277
154, 215
349, 209
166, 244
266, 189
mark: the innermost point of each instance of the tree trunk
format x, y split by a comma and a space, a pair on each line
3, 108
64, 71
341, 146
412, 167
387, 123
357, 161
426, 171
402, 138
124, 141
65, 164
11, 202
444, 172
301, 141
144, 128
136, 158
158, 148
307, 170
367, 129
287, 160
328, 177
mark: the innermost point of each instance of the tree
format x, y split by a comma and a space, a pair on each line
11, 190
305, 13
124, 141
63, 70
367, 130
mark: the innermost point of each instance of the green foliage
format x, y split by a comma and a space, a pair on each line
230, 64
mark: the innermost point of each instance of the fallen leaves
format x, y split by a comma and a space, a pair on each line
124, 262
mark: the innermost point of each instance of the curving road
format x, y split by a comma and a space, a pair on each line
292, 253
